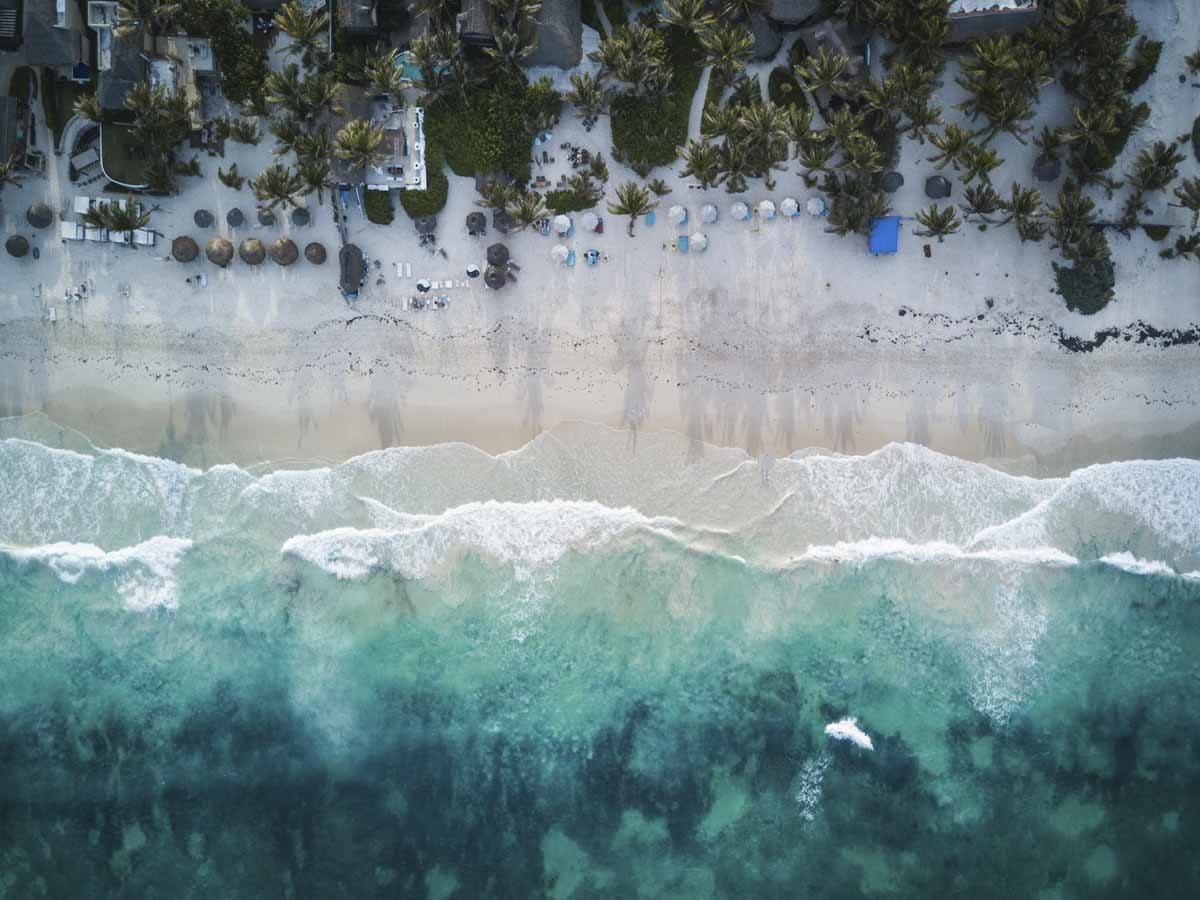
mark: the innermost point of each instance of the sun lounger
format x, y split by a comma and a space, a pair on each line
52, 314
83, 204
144, 237
571, 259
683, 243
118, 237
70, 231
408, 270
95, 234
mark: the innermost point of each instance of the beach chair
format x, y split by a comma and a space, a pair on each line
52, 315
571, 260
95, 234
650, 217
143, 237
70, 231
118, 237
82, 204
682, 243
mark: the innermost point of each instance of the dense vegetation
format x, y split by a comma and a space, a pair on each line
378, 207
243, 66
431, 200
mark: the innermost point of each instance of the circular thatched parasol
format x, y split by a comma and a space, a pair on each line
17, 245
1047, 168
39, 215
251, 251
497, 255
284, 251
219, 251
234, 217
315, 253
891, 182
203, 218
184, 249
301, 216
425, 224
937, 187
266, 217
494, 278
476, 223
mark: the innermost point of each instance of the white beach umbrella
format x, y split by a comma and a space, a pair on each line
590, 221
559, 253
815, 206
698, 242
740, 211
562, 224
677, 214
766, 209
789, 207
708, 214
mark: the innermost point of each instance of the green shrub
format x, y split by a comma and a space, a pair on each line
1087, 288
567, 202
1157, 232
784, 90
243, 66
378, 206
615, 10
433, 199
1145, 61
589, 16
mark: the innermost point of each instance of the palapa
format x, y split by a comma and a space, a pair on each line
251, 251
219, 251
39, 215
184, 249
315, 253
284, 251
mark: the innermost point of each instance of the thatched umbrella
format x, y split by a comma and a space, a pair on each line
425, 224
39, 215
891, 182
1046, 168
937, 187
301, 216
494, 277
251, 251
476, 223
17, 245
219, 251
315, 253
284, 252
497, 255
184, 249
203, 218
266, 217
501, 221
234, 217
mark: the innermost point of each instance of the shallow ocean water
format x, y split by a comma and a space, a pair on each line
575, 671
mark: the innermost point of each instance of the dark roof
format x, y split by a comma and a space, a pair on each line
44, 44
966, 26
497, 255
891, 182
793, 12
559, 35
355, 104
475, 23
10, 122
425, 224
1047, 168
476, 222
350, 260
262, 5
937, 187
10, 24
357, 15
128, 68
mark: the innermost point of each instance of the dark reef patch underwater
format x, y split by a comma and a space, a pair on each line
437, 674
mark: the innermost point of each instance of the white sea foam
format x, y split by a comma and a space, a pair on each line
847, 730
528, 536
1130, 563
855, 552
144, 574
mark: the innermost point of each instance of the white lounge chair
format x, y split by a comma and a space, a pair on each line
70, 231
144, 237
95, 234
82, 204
119, 237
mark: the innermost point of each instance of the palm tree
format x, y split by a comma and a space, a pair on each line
589, 96
953, 145
727, 48
1091, 248
125, 217
633, 200
1049, 141
277, 184
636, 55
734, 166
1092, 127
719, 122
511, 50
980, 162
981, 201
1006, 112
923, 115
8, 174
824, 70
700, 161
245, 131
283, 88
883, 98
88, 107
938, 222
1071, 216
764, 134
1156, 167
742, 9
1188, 194
656, 186
385, 75
862, 155
526, 208
797, 122
690, 15
814, 155
303, 25
858, 12
844, 124
358, 143
314, 177
230, 177
138, 17
288, 134
494, 195
315, 144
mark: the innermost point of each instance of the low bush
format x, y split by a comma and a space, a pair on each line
378, 206
1157, 232
567, 202
1145, 61
433, 199
1087, 288
784, 90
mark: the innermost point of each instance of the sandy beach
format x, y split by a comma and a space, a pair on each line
779, 337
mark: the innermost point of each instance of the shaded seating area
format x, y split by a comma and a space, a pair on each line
938, 187
497, 255
39, 216
219, 251
352, 270
203, 218
235, 218
184, 249
476, 224
315, 253
252, 251
17, 245
284, 252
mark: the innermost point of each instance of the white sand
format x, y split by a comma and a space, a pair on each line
779, 337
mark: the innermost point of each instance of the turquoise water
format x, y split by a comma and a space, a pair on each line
590, 670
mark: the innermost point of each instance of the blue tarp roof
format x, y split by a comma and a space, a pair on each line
885, 235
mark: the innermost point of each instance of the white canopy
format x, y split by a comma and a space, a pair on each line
559, 253
815, 206
699, 242
590, 221
708, 214
740, 211
766, 209
677, 214
562, 224
789, 207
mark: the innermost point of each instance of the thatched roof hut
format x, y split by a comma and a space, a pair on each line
937, 187
266, 217
425, 224
203, 218
184, 249
497, 255
891, 182
252, 251
1047, 168
17, 245
39, 215
284, 251
495, 277
235, 218
353, 269
315, 253
301, 216
219, 251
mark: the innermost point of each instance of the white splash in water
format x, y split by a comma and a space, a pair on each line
847, 730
